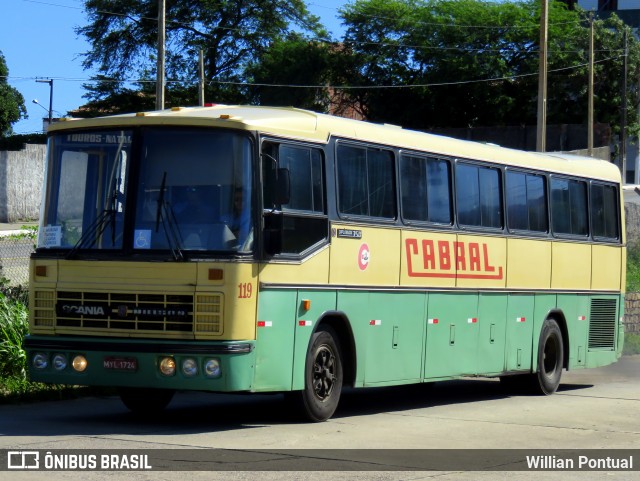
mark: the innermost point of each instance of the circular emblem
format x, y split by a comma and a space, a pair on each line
363, 257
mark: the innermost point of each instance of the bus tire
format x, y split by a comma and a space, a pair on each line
323, 377
145, 401
550, 358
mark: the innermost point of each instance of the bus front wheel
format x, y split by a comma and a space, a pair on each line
323, 377
143, 401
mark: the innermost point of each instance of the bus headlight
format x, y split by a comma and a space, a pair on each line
79, 363
59, 362
212, 368
168, 366
189, 367
40, 361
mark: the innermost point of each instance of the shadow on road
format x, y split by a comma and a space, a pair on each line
192, 413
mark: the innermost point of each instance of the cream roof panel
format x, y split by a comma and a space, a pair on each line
302, 124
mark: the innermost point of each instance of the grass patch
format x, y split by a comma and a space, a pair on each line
17, 389
631, 344
633, 268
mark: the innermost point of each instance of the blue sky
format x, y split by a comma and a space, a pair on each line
38, 39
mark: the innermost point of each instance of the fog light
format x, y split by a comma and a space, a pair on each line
79, 363
59, 362
168, 366
40, 361
189, 367
212, 368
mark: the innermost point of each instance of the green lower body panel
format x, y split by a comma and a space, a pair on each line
135, 363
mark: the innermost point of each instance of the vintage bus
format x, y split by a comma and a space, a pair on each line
255, 249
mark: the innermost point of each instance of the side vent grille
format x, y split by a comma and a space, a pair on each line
602, 324
208, 313
43, 308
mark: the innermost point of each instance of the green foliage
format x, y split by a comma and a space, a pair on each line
443, 47
633, 268
12, 106
631, 344
14, 326
231, 34
16, 142
293, 61
18, 389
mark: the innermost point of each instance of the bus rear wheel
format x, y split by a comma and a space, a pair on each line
323, 377
145, 401
550, 362
550, 358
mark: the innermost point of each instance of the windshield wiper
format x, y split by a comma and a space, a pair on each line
108, 215
164, 214
95, 230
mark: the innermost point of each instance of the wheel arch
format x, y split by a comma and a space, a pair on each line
339, 322
558, 316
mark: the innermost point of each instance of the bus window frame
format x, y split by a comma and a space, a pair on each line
272, 140
525, 232
559, 235
426, 156
501, 183
600, 239
367, 218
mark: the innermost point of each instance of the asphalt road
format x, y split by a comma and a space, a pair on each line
593, 409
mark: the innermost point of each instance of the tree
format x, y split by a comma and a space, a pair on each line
12, 106
293, 72
232, 34
460, 63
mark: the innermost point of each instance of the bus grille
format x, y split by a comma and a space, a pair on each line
602, 324
129, 311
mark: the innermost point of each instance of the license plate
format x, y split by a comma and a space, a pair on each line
120, 363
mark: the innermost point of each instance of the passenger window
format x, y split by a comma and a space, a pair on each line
426, 189
604, 208
526, 202
366, 183
569, 207
478, 196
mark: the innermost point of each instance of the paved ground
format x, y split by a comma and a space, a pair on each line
593, 410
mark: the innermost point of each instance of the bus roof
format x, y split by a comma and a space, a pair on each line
310, 126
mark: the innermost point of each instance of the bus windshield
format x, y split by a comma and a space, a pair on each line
192, 191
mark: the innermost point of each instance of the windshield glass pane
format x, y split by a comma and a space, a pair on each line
85, 201
194, 191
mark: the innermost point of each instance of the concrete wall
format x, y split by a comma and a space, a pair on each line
21, 177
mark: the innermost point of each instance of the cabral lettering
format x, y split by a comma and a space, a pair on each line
450, 259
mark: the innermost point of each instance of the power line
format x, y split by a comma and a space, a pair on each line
336, 87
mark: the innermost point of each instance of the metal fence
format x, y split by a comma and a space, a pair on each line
15, 250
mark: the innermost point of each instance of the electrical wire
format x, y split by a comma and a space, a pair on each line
335, 87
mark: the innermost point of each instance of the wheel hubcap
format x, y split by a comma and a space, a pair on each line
324, 376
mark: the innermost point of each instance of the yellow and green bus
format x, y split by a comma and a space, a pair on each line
255, 249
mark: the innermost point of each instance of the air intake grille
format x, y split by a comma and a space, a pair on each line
602, 324
125, 311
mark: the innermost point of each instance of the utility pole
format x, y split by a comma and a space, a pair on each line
201, 83
541, 132
160, 68
50, 82
623, 113
590, 94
